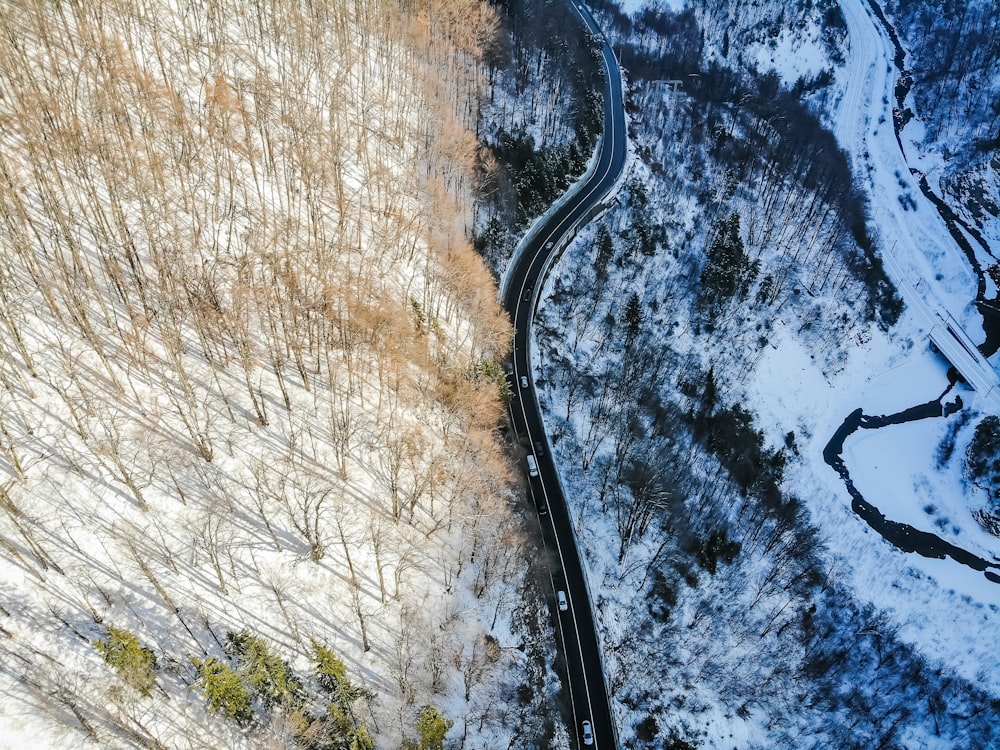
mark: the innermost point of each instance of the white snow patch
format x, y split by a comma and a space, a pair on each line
633, 7
793, 54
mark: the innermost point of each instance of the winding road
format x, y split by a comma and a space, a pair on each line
575, 626
923, 244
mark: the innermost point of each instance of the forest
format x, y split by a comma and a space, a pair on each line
541, 118
255, 483
253, 492
740, 227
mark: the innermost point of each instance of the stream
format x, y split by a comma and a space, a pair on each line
958, 228
903, 536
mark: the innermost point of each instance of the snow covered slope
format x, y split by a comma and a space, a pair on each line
249, 380
744, 601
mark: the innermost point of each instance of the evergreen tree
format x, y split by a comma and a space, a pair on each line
640, 236
637, 190
265, 674
362, 740
134, 663
605, 252
766, 289
709, 394
717, 547
491, 238
432, 727
224, 690
633, 317
982, 460
332, 675
729, 271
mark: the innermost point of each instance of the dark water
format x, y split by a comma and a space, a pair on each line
901, 535
958, 228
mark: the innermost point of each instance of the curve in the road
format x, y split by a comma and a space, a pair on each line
869, 69
584, 666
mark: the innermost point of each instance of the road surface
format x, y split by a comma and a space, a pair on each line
922, 248
575, 626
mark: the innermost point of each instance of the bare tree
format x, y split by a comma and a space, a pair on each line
307, 500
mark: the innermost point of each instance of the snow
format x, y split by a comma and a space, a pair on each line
222, 544
910, 229
801, 383
942, 606
793, 54
632, 7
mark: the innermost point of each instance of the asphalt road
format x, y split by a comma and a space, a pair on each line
575, 626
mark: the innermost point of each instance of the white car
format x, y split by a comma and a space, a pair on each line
524, 381
588, 734
561, 598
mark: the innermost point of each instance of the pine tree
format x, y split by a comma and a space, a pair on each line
432, 727
717, 547
333, 677
766, 290
729, 271
709, 394
605, 252
134, 663
265, 674
224, 690
362, 740
633, 317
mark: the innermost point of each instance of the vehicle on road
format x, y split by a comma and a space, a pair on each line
561, 598
524, 381
532, 466
531, 268
539, 448
548, 245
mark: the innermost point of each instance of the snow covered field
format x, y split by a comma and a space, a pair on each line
943, 607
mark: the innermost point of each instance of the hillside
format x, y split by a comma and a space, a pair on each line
697, 352
953, 113
250, 383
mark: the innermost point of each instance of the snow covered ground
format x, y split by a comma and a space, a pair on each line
944, 607
895, 468
799, 383
231, 272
